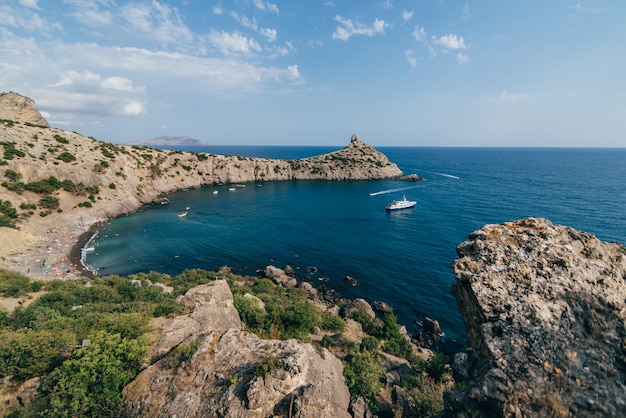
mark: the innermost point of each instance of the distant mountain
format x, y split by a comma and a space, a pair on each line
173, 140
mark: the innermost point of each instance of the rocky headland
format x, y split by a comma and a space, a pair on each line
545, 308
104, 180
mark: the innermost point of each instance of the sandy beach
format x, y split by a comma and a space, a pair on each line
55, 254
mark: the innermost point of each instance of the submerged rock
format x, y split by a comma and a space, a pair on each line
544, 307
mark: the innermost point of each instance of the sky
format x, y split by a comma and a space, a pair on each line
255, 72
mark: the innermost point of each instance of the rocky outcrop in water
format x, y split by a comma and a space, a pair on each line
545, 310
205, 365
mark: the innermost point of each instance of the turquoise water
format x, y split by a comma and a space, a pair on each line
403, 258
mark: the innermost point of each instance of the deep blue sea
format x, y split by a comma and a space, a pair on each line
403, 258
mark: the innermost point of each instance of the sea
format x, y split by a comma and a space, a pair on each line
327, 230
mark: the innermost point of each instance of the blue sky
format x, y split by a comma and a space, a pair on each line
244, 72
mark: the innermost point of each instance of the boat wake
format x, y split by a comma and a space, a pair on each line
393, 190
445, 175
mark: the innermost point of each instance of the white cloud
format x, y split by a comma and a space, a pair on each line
236, 42
462, 58
133, 108
411, 59
406, 15
450, 41
388, 5
506, 97
419, 34
77, 95
27, 20
218, 10
118, 83
349, 28
266, 6
270, 34
466, 12
157, 21
293, 72
29, 3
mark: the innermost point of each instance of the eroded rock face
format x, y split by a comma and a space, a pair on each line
18, 108
218, 378
545, 309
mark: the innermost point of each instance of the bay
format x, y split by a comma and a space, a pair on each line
341, 228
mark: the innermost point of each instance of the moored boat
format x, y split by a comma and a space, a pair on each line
401, 204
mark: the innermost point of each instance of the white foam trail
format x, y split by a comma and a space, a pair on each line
393, 190
447, 175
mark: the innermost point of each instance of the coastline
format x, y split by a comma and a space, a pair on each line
76, 252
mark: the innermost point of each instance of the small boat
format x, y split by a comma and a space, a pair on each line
215, 192
231, 189
401, 204
187, 208
182, 215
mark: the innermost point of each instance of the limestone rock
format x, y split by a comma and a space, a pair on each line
278, 276
545, 308
18, 108
219, 378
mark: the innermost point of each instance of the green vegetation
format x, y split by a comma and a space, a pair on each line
49, 202
100, 166
8, 214
10, 151
66, 157
182, 353
61, 139
286, 312
265, 366
12, 175
363, 374
88, 342
90, 382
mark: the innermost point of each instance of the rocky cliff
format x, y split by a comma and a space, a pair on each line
128, 177
545, 310
17, 108
230, 372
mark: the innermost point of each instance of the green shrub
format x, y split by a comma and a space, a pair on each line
45, 186
331, 322
297, 320
90, 382
112, 186
437, 367
7, 214
49, 202
10, 151
369, 343
250, 313
61, 139
263, 286
265, 366
182, 353
29, 353
14, 285
363, 375
66, 157
12, 175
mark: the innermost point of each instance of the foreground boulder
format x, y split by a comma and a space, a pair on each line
204, 365
545, 309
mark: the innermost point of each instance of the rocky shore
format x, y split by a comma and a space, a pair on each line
544, 306
108, 180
